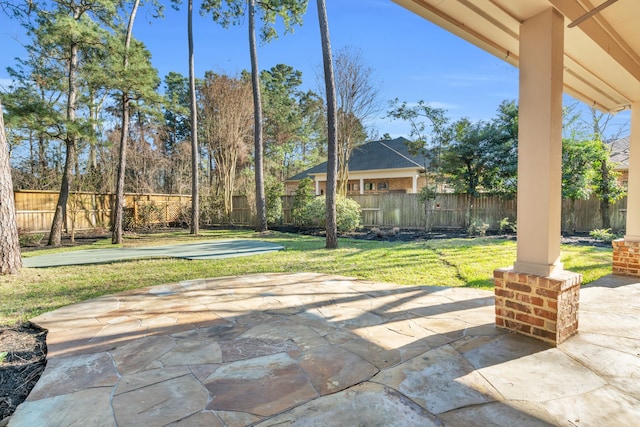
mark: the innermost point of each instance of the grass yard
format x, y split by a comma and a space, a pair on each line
452, 262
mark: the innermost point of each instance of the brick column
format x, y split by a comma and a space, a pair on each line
626, 258
545, 308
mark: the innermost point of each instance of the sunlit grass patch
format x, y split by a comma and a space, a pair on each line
447, 262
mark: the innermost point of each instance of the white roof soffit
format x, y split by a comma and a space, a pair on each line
602, 54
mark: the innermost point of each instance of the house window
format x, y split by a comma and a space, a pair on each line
352, 187
369, 186
383, 186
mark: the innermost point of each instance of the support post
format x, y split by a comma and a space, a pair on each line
537, 297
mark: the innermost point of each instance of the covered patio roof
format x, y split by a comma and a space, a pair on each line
589, 49
602, 52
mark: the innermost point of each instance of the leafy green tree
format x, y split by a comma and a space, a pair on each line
95, 94
29, 117
175, 129
607, 185
230, 12
283, 119
311, 147
176, 111
429, 131
502, 158
578, 173
61, 34
465, 160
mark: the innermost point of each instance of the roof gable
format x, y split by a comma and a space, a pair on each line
619, 153
375, 155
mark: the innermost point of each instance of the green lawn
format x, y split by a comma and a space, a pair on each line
453, 262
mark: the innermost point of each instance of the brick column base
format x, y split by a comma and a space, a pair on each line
545, 308
626, 258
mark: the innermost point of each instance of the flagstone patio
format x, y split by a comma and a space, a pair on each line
320, 350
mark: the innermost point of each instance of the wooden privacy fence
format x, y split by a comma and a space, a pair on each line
458, 211
86, 211
89, 211
447, 211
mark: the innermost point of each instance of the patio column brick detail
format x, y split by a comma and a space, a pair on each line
545, 308
626, 258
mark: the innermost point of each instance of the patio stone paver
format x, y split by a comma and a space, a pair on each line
440, 380
75, 373
332, 368
90, 407
319, 350
367, 404
246, 386
497, 414
160, 403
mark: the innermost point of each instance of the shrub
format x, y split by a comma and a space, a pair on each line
149, 217
29, 239
427, 193
604, 235
347, 213
273, 198
507, 226
478, 229
305, 193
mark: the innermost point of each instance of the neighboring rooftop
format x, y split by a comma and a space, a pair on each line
620, 152
375, 155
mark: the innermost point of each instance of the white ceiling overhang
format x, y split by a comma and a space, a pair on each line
602, 54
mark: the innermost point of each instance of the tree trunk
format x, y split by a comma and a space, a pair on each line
116, 236
332, 156
55, 236
604, 197
10, 260
261, 203
195, 199
604, 211
118, 209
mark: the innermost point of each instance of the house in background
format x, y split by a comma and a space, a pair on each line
384, 166
619, 155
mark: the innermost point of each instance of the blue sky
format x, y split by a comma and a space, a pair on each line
412, 59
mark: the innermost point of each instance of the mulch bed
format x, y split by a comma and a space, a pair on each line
23, 353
